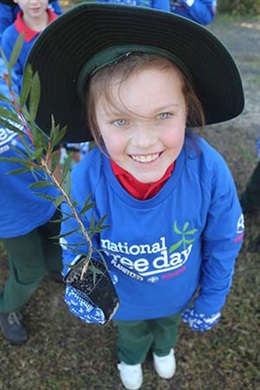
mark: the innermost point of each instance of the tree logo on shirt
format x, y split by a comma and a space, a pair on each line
150, 261
185, 236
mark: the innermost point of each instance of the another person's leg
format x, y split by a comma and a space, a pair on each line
26, 269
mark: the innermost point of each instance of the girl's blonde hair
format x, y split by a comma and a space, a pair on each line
119, 72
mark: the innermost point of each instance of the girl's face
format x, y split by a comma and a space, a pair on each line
144, 129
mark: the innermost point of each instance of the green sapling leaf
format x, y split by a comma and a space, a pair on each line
41, 184
59, 200
35, 93
26, 85
16, 51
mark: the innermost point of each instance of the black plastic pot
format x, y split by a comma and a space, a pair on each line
97, 285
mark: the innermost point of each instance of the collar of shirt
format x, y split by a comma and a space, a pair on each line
29, 34
138, 190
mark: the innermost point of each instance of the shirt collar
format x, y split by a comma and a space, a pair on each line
134, 187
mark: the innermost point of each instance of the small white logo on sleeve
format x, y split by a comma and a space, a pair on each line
240, 224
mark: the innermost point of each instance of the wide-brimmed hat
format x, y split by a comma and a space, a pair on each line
65, 47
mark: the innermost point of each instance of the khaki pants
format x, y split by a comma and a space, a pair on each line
136, 338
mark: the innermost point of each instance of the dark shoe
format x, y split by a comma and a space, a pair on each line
12, 327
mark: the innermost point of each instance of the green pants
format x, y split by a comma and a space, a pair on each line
250, 198
30, 257
136, 338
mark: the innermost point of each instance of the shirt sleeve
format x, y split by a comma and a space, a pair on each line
222, 240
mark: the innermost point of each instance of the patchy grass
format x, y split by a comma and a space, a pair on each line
65, 354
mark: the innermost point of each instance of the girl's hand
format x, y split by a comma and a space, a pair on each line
80, 305
198, 321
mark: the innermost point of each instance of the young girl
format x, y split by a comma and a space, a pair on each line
175, 225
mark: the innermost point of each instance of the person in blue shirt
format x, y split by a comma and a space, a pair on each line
25, 226
162, 5
26, 231
174, 225
200, 11
9, 10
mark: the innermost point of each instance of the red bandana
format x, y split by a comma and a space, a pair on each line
138, 190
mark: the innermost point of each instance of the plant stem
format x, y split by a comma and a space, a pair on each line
47, 169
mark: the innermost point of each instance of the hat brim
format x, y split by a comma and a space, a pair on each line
64, 47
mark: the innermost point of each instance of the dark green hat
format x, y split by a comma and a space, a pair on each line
66, 50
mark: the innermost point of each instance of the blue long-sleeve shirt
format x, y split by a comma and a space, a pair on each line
200, 11
21, 209
163, 249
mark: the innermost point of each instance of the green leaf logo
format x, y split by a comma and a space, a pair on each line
184, 240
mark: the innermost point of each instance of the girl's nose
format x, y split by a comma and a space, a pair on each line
143, 136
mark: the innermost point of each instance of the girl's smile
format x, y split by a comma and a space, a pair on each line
145, 159
143, 128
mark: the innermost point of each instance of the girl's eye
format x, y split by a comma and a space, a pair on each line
164, 115
119, 122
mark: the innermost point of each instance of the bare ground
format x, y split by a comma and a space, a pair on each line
64, 354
